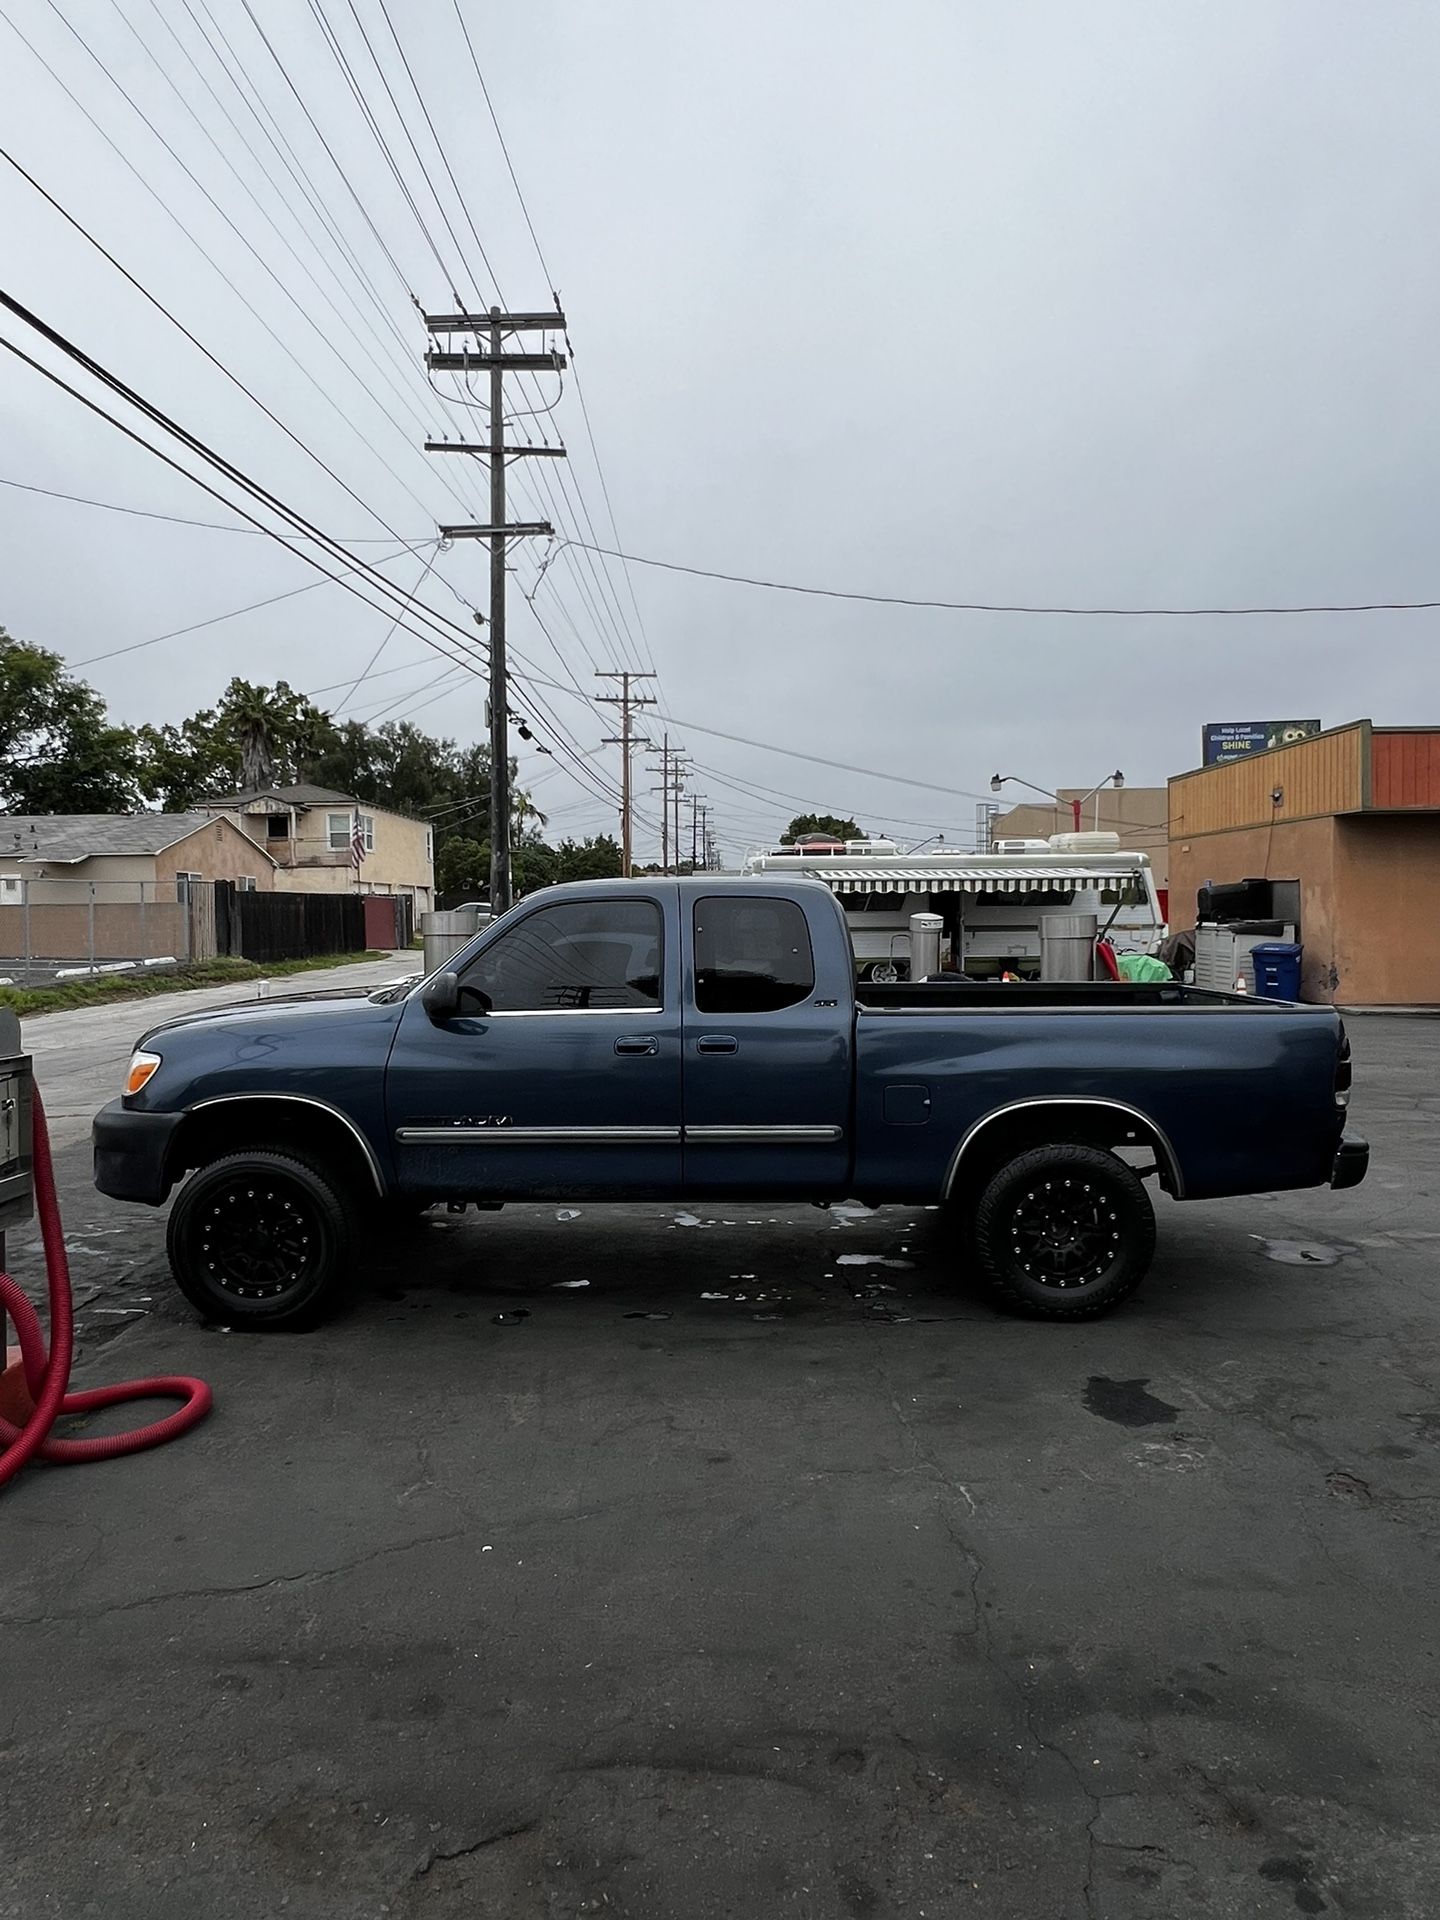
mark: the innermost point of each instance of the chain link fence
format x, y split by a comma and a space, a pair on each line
57, 928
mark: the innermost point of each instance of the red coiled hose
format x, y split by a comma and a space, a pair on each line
47, 1376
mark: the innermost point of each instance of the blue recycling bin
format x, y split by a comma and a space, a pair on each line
1277, 969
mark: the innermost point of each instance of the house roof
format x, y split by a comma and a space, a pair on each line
303, 795
66, 838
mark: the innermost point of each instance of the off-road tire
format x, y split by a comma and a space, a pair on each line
1064, 1232
261, 1240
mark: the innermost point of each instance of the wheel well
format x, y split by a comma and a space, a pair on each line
316, 1133
1046, 1123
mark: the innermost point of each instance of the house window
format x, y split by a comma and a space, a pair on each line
10, 885
185, 887
341, 825
277, 826
246, 883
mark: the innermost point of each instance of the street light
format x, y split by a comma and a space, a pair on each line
1116, 779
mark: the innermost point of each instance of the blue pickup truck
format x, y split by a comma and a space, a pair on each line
704, 1039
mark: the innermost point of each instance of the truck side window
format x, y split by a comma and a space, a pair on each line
588, 956
752, 955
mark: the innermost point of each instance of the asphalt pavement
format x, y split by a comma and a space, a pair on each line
660, 1562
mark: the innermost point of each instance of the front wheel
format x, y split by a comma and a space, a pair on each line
1064, 1232
260, 1239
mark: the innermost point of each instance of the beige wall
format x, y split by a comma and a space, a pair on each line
1137, 814
400, 861
1388, 878
116, 878
217, 852
69, 931
1367, 891
1302, 850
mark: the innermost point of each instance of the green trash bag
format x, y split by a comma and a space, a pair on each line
1142, 966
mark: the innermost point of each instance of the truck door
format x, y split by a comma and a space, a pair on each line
559, 1074
767, 1039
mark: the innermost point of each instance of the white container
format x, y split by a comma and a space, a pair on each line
925, 932
1067, 946
1084, 843
445, 933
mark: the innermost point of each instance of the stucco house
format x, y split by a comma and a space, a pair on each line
58, 852
308, 830
119, 886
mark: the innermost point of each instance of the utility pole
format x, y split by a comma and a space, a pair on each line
627, 702
667, 762
493, 328
679, 765
698, 810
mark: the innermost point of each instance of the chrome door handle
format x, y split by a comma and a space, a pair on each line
637, 1043
717, 1043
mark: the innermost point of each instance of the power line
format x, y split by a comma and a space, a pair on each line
285, 152
459, 195
550, 279
993, 606
180, 520
296, 521
215, 619
616, 619
365, 671
768, 795
261, 209
346, 416
410, 666
844, 766
180, 326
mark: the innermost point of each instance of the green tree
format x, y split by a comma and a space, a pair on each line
462, 867
59, 750
830, 823
594, 859
255, 736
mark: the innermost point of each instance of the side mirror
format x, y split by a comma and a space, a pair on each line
440, 996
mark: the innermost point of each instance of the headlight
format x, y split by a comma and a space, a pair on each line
142, 1068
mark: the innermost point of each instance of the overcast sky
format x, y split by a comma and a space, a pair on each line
1116, 304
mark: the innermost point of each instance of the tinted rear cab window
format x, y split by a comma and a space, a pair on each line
752, 954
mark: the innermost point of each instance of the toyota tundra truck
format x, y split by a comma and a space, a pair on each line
705, 1040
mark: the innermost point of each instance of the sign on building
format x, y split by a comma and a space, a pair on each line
1222, 740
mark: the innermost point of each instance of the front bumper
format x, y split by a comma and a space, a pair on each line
1352, 1162
132, 1151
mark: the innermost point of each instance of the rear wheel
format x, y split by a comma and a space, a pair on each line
1064, 1232
260, 1239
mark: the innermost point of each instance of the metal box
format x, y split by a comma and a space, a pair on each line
17, 1167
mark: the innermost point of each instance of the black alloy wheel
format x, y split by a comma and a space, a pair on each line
260, 1239
1064, 1232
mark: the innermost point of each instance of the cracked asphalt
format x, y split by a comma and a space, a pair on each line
846, 1599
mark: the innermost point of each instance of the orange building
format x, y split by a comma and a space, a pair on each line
1353, 815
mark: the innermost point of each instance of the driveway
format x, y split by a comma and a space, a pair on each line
652, 1562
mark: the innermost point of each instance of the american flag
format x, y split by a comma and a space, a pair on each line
357, 842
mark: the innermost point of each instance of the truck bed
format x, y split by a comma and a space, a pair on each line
1089, 996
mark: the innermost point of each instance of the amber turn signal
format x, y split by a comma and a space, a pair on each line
142, 1067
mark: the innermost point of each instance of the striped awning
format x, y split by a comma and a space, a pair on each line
944, 878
